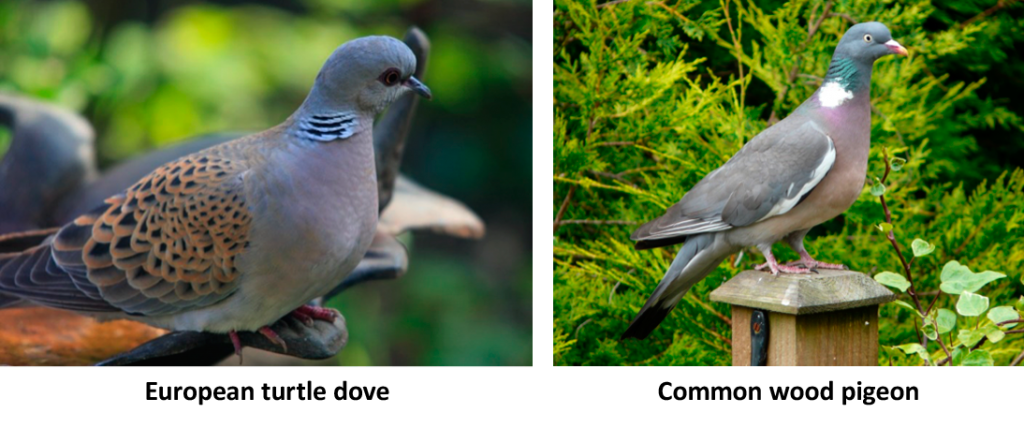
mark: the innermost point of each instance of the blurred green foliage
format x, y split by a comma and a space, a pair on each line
149, 73
650, 96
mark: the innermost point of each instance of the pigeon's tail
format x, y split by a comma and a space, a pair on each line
696, 259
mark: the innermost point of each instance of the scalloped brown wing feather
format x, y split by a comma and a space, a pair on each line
170, 242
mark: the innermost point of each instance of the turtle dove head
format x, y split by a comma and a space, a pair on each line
366, 75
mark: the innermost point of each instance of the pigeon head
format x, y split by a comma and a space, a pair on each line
849, 73
366, 75
867, 42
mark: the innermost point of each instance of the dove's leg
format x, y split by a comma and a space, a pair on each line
237, 343
796, 242
308, 313
774, 266
273, 337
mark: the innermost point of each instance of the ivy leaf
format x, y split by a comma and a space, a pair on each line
946, 319
1000, 314
903, 304
957, 278
929, 331
994, 334
921, 247
910, 348
969, 338
1020, 304
971, 305
958, 356
878, 189
884, 227
897, 163
893, 280
915, 348
979, 357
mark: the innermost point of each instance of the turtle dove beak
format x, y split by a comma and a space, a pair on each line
896, 48
418, 87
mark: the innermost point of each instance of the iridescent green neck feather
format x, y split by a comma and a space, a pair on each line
844, 72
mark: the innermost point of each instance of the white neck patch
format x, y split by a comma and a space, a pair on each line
832, 94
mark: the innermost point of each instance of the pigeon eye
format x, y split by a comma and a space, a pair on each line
867, 38
390, 77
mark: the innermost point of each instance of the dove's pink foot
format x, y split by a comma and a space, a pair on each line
273, 337
775, 267
237, 343
308, 313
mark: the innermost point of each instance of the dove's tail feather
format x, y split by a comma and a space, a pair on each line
30, 272
696, 259
8, 301
13, 243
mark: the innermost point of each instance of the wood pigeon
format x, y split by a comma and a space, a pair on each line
798, 173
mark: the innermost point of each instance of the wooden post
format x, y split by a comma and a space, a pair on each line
826, 319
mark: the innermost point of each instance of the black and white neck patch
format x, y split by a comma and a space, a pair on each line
327, 127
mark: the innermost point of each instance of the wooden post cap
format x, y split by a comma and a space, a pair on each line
800, 294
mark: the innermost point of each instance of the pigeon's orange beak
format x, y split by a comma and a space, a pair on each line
896, 48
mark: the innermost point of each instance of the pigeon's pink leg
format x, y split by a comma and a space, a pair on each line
796, 242
810, 263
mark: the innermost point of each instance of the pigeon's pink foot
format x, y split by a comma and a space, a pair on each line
807, 261
273, 337
237, 343
308, 313
786, 268
775, 267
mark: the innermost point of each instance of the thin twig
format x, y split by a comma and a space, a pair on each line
917, 331
950, 358
577, 335
938, 338
565, 204
985, 220
617, 284
818, 79
796, 66
611, 3
875, 110
999, 6
598, 222
848, 18
638, 169
616, 177
738, 46
932, 304
708, 308
892, 237
1017, 360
